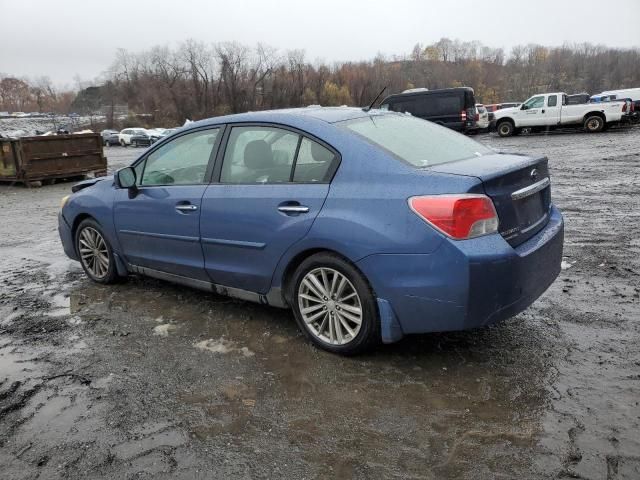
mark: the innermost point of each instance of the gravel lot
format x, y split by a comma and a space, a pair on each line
147, 379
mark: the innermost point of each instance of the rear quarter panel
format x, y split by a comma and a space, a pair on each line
366, 211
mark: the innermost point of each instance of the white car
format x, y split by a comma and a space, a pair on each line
550, 110
483, 116
631, 93
124, 137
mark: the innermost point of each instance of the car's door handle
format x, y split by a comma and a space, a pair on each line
293, 209
543, 110
187, 208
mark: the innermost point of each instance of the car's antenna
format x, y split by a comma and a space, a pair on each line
366, 109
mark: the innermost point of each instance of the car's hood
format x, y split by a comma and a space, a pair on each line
505, 112
90, 182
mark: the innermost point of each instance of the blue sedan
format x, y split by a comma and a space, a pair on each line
369, 225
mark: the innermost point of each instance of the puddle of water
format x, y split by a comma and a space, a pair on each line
222, 346
60, 305
16, 365
164, 329
437, 400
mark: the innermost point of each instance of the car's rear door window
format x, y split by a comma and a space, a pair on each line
257, 154
415, 141
266, 154
182, 161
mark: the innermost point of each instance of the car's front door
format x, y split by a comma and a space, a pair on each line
531, 112
158, 225
272, 185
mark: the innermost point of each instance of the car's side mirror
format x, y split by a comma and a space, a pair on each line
126, 178
523, 107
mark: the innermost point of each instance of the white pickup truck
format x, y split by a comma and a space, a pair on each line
550, 110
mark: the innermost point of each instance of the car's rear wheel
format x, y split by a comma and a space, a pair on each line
593, 124
334, 305
96, 255
505, 129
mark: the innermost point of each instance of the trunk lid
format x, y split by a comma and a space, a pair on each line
519, 187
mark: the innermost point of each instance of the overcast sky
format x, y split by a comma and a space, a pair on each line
65, 38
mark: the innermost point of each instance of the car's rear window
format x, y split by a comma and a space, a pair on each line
418, 142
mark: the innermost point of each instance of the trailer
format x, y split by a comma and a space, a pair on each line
34, 160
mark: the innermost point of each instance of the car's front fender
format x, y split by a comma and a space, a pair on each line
96, 202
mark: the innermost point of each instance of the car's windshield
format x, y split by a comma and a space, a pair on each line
418, 142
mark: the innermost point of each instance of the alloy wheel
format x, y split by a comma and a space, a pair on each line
94, 252
330, 306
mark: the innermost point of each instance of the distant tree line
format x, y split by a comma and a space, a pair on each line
40, 95
198, 80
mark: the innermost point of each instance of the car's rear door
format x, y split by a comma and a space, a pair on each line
158, 225
550, 113
272, 185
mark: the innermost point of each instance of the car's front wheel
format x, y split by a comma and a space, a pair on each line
96, 255
505, 128
334, 305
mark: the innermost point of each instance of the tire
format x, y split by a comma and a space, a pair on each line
331, 324
505, 128
89, 236
593, 124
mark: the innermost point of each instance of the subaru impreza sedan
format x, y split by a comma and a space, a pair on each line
369, 225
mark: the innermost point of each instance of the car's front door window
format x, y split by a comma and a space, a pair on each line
182, 161
535, 102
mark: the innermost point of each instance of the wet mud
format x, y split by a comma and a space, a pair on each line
145, 379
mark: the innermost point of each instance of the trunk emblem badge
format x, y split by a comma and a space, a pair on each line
534, 174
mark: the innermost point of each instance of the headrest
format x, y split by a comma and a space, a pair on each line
258, 155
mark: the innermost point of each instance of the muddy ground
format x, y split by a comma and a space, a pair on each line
146, 379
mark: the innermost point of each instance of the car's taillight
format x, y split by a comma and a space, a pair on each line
477, 117
624, 107
458, 216
463, 115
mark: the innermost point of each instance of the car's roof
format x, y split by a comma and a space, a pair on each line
296, 115
429, 92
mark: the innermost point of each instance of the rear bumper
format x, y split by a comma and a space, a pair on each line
630, 117
467, 284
